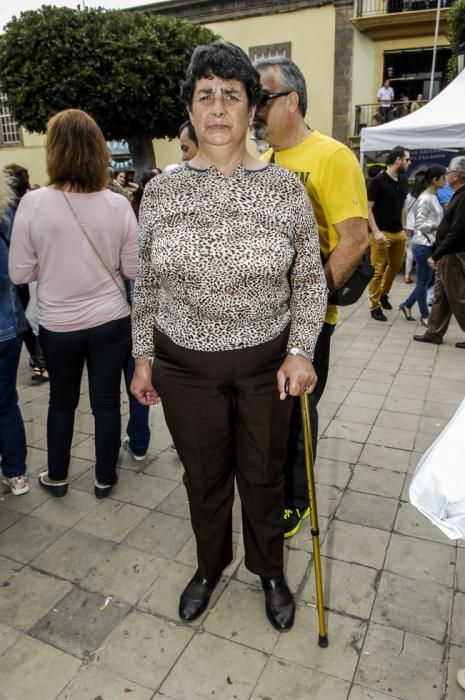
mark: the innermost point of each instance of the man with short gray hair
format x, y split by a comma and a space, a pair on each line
448, 259
334, 182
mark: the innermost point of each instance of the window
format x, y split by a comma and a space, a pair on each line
9, 130
257, 53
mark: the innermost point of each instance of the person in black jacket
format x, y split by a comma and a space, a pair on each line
448, 259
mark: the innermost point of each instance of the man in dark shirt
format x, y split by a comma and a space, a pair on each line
386, 217
448, 259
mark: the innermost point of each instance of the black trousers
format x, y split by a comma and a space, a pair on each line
296, 490
227, 422
103, 349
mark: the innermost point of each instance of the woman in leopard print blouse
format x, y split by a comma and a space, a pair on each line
230, 280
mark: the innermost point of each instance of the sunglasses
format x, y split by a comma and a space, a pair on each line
267, 96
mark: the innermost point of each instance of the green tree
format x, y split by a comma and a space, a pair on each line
124, 68
455, 34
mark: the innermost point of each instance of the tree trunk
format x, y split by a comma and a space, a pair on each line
141, 149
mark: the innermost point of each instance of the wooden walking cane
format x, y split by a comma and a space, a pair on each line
305, 413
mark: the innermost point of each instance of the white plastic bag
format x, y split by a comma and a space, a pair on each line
438, 485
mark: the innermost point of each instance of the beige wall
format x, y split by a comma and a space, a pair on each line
31, 156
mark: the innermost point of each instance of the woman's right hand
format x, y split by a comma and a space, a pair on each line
141, 386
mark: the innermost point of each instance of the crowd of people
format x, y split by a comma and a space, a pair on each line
391, 108
227, 262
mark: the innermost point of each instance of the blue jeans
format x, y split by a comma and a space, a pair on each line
138, 430
421, 253
12, 435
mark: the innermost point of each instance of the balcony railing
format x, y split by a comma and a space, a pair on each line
365, 8
373, 114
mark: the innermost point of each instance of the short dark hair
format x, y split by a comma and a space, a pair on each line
19, 179
225, 60
77, 153
292, 77
190, 131
397, 152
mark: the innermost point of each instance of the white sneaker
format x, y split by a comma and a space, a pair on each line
127, 446
461, 677
16, 484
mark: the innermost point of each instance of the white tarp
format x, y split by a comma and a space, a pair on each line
438, 124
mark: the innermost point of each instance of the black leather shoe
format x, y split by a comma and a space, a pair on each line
104, 490
194, 598
427, 339
385, 303
57, 488
280, 606
378, 315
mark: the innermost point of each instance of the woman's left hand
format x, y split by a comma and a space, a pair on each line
431, 263
301, 375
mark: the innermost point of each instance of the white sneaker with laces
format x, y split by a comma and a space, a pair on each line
16, 484
127, 446
461, 677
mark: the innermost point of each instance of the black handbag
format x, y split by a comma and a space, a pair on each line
353, 289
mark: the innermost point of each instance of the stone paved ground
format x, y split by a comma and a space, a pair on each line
89, 589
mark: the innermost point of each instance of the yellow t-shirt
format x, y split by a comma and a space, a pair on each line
334, 182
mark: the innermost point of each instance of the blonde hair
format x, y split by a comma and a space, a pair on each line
77, 153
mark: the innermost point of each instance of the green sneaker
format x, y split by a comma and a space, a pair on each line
292, 520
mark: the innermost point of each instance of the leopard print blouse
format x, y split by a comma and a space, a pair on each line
218, 258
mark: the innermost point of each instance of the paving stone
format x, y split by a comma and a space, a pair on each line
377, 388
125, 573
8, 568
348, 588
79, 622
143, 490
151, 535
347, 430
423, 441
355, 543
410, 521
85, 449
395, 419
458, 632
176, 503
456, 661
393, 662
302, 540
31, 669
34, 534
345, 636
239, 615
28, 596
283, 679
66, 511
335, 395
167, 465
332, 472
357, 414
144, 648
420, 607
404, 405
444, 396
391, 437
460, 570
367, 509
216, 668
27, 502
380, 482
338, 449
359, 693
73, 555
91, 683
112, 520
432, 425
385, 457
8, 518
8, 637
425, 561
443, 411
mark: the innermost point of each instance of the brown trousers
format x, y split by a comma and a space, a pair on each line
449, 290
227, 422
387, 261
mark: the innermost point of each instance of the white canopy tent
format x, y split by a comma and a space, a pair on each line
440, 124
